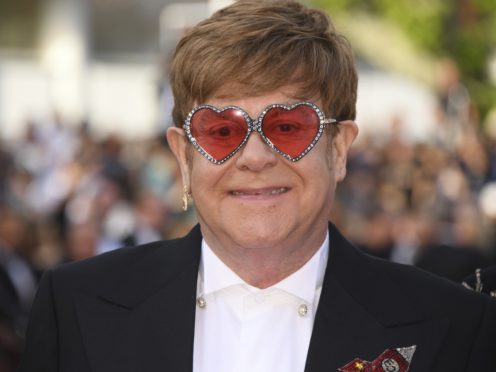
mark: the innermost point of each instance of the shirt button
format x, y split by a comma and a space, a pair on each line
302, 310
200, 301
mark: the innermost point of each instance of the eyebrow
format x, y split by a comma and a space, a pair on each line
277, 102
288, 101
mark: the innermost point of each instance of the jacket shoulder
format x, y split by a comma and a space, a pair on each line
430, 294
111, 268
376, 282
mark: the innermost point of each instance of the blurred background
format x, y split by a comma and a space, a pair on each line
85, 102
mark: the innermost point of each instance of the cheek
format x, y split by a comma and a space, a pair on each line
319, 178
330, 154
330, 161
198, 176
190, 151
326, 152
324, 173
206, 177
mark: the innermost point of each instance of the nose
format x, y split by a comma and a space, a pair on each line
256, 155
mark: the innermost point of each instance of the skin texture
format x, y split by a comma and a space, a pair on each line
264, 237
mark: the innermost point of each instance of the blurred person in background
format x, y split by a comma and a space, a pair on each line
454, 105
14, 243
149, 222
18, 282
265, 95
17, 286
10, 330
81, 242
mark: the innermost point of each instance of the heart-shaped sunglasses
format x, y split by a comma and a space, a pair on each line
291, 130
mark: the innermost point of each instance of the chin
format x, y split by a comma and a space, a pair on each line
260, 234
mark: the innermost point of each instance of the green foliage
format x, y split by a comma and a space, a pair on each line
464, 30
422, 20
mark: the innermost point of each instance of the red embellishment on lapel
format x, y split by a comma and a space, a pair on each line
355, 365
391, 360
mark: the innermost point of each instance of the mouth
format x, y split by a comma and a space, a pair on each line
265, 192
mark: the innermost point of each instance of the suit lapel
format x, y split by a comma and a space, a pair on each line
362, 312
146, 321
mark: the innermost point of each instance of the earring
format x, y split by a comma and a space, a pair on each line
186, 197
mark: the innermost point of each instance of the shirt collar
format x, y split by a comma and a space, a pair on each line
215, 275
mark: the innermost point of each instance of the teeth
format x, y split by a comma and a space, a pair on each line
268, 192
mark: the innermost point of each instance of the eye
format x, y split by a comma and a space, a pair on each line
220, 131
285, 127
226, 130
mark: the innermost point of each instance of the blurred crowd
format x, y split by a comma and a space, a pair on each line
66, 194
431, 204
422, 204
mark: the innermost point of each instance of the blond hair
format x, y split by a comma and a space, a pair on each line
260, 46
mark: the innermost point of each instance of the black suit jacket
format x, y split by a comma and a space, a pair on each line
134, 310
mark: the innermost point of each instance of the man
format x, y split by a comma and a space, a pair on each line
265, 97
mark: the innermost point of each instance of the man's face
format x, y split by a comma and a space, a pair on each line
259, 199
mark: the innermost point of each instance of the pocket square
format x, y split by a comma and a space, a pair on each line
391, 360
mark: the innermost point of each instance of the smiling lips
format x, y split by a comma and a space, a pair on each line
269, 191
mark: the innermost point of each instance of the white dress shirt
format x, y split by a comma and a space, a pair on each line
240, 328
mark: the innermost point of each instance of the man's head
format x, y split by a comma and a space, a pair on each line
257, 46
255, 87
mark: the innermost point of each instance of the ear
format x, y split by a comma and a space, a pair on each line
348, 131
178, 144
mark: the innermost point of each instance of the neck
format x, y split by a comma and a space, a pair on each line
264, 266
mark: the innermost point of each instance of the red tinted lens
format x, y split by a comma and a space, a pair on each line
218, 133
291, 131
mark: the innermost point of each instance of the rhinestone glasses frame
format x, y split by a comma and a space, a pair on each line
255, 125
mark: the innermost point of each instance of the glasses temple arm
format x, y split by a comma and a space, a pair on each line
330, 121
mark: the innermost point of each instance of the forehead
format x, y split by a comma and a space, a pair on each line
253, 104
